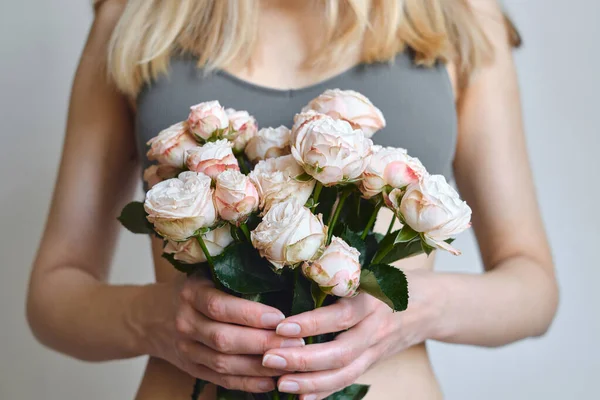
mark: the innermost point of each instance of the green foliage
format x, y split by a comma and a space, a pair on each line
305, 177
133, 217
181, 267
352, 392
226, 394
241, 269
389, 251
406, 234
303, 300
326, 201
386, 283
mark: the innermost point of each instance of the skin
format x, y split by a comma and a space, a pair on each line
186, 325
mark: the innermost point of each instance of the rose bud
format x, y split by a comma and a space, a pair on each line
158, 173
207, 120
235, 196
178, 207
275, 180
433, 208
190, 252
289, 234
331, 150
242, 127
170, 146
269, 143
390, 166
212, 158
337, 271
350, 106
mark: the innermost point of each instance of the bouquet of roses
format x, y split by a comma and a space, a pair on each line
285, 217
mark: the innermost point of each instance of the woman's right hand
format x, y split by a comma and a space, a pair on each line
217, 337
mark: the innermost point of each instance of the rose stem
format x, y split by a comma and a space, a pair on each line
382, 254
244, 229
291, 396
210, 261
336, 215
276, 394
317, 192
242, 164
318, 303
391, 225
371, 221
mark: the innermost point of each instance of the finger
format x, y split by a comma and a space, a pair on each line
220, 306
233, 382
343, 314
324, 356
225, 364
326, 381
228, 338
316, 396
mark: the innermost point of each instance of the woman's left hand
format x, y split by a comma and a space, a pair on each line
372, 331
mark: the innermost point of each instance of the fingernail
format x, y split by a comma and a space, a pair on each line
270, 320
310, 397
266, 385
289, 387
292, 343
273, 361
288, 329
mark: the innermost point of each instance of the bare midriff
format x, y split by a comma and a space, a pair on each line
408, 372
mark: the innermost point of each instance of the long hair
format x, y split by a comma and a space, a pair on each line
219, 32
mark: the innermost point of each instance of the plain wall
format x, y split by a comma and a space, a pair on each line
40, 42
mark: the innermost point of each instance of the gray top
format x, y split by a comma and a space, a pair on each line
417, 102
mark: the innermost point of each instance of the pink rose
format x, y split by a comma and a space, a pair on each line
269, 143
331, 151
158, 173
350, 106
170, 145
212, 158
300, 121
190, 252
391, 167
337, 271
235, 196
242, 127
207, 120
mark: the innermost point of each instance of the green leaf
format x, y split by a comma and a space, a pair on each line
394, 252
427, 249
406, 234
327, 199
303, 300
352, 392
354, 240
386, 283
241, 269
358, 211
198, 388
182, 267
304, 177
133, 217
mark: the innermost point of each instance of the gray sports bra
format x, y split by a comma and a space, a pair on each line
417, 102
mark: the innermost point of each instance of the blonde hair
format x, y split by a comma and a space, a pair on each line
220, 32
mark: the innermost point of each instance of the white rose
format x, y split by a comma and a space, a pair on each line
301, 119
390, 166
433, 208
212, 158
158, 173
207, 120
337, 271
350, 106
269, 143
331, 150
242, 127
170, 146
289, 234
235, 196
178, 207
275, 180
190, 252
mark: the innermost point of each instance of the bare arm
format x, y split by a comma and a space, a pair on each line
70, 307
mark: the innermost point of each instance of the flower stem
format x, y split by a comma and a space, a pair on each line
371, 221
319, 300
391, 225
242, 163
291, 396
244, 229
336, 214
276, 394
317, 192
382, 253
210, 261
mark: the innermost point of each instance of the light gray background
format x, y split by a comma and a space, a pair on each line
40, 42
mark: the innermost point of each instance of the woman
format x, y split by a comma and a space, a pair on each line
450, 96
